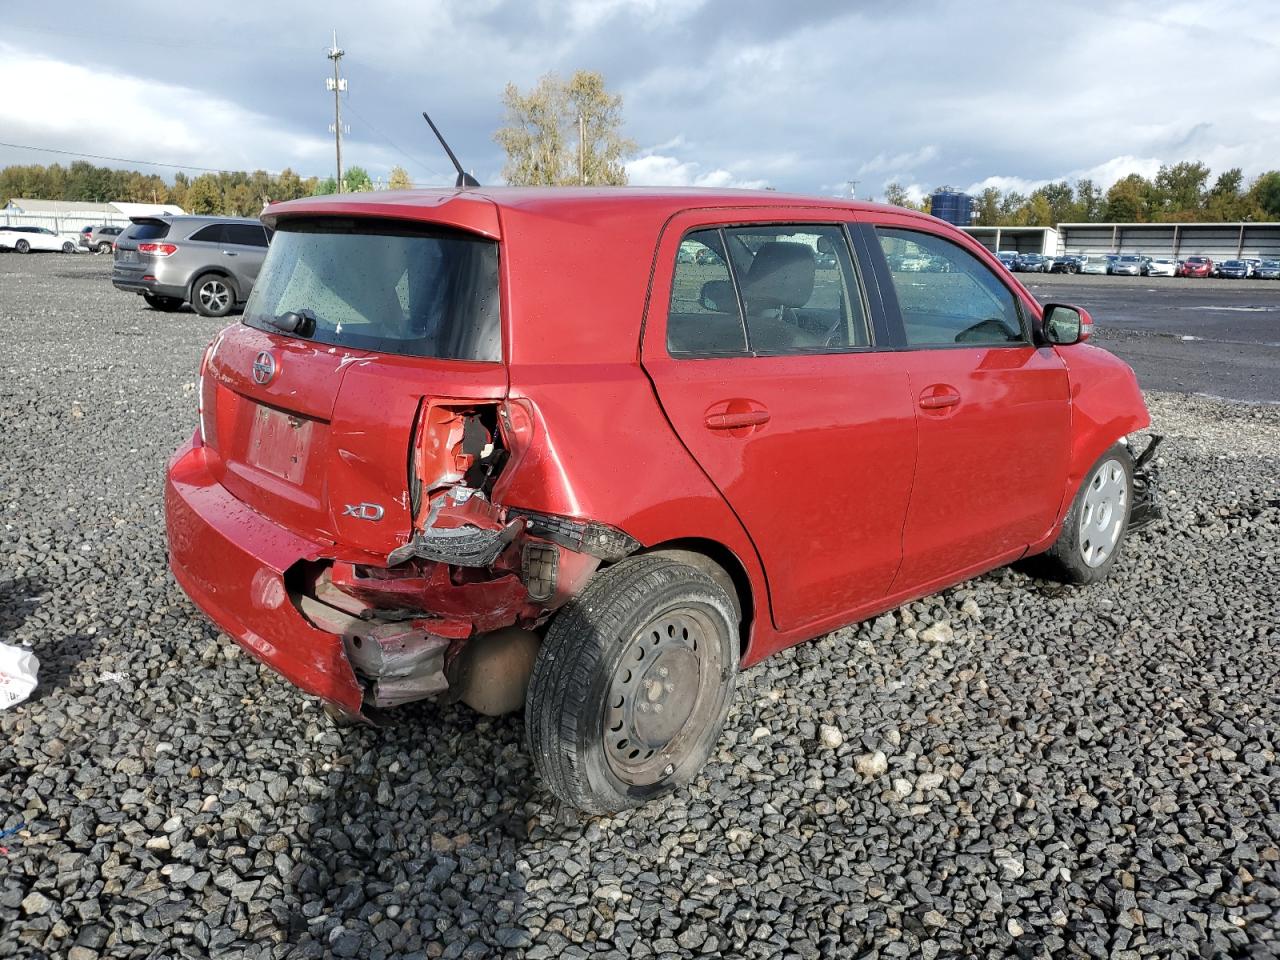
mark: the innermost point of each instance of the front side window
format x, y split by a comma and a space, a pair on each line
376, 285
946, 295
245, 234
765, 290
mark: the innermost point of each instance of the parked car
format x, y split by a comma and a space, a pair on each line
1269, 270
100, 238
1032, 263
1233, 270
34, 239
387, 498
1253, 263
1127, 265
209, 262
1008, 258
1069, 263
1196, 267
1095, 264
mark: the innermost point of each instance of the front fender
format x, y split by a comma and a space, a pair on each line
1106, 404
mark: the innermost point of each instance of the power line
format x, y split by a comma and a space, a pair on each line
391, 143
96, 156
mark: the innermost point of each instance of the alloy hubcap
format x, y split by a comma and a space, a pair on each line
214, 294
1103, 514
663, 693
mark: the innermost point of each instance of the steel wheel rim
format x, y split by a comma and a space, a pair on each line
1103, 513
664, 692
214, 294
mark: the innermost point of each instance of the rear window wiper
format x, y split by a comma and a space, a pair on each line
301, 322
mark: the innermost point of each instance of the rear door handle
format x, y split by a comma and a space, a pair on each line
737, 420
940, 398
229, 253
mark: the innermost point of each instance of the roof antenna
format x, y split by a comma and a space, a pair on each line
464, 179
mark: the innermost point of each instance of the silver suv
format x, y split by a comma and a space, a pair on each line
100, 238
209, 262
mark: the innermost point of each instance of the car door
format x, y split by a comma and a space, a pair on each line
760, 343
992, 407
247, 243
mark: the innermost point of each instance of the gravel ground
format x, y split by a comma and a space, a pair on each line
1005, 768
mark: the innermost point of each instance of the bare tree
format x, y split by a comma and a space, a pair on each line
562, 133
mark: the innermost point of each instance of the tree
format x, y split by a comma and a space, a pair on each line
1060, 201
1227, 199
204, 195
986, 207
1266, 193
896, 194
323, 188
356, 179
563, 133
1180, 188
1089, 202
399, 179
1129, 199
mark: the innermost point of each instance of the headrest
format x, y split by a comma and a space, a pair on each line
781, 275
717, 296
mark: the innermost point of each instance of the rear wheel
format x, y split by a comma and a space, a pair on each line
1095, 528
213, 296
166, 304
22, 246
632, 685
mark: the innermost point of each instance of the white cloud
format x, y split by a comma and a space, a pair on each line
1102, 174
112, 113
900, 163
660, 170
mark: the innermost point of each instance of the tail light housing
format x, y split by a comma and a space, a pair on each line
158, 249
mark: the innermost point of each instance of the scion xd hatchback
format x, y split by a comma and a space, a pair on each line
589, 452
209, 262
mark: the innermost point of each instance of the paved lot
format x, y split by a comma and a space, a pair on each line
1216, 337
1066, 772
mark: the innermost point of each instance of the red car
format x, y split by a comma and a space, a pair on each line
589, 452
1196, 267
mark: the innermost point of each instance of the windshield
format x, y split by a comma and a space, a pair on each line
1130, 260
378, 285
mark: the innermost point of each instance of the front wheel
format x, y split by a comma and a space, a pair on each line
104, 247
212, 296
68, 247
1095, 528
632, 684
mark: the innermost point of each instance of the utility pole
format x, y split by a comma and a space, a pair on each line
853, 188
582, 150
338, 86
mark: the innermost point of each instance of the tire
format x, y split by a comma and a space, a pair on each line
163, 304
594, 722
68, 247
213, 295
22, 246
104, 247
1096, 525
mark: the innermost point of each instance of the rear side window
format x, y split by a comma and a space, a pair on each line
765, 290
377, 285
149, 230
946, 295
704, 319
213, 233
245, 234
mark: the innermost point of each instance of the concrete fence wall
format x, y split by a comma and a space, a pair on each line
68, 226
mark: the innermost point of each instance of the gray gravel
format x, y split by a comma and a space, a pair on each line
1005, 768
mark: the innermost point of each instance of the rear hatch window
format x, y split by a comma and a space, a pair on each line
382, 286
149, 230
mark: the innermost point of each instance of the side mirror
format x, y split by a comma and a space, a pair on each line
1064, 324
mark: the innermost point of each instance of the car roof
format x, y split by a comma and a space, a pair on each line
482, 208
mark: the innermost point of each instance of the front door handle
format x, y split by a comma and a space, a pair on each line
939, 397
229, 253
734, 421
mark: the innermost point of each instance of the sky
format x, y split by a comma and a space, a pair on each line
804, 97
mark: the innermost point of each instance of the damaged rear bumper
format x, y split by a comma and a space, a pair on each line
231, 561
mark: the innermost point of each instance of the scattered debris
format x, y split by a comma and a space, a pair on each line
18, 669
